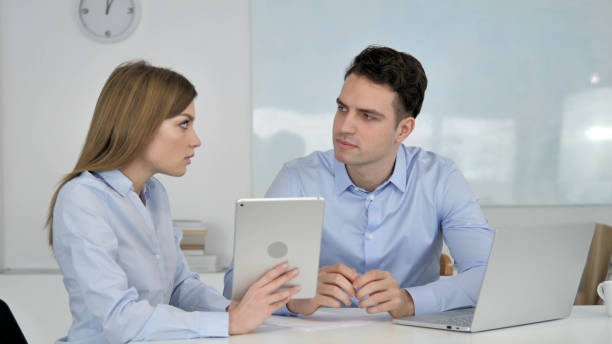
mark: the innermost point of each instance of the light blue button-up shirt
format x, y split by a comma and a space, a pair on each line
400, 226
125, 274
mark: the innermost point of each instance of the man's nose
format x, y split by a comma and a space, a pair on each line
348, 123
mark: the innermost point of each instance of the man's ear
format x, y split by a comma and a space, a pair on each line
405, 128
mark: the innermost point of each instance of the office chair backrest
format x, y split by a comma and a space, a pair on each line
446, 265
11, 333
597, 265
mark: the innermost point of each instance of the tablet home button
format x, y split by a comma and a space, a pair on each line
277, 249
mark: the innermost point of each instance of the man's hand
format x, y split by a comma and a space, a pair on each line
261, 299
384, 294
335, 284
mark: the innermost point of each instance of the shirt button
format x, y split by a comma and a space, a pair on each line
371, 197
157, 256
370, 236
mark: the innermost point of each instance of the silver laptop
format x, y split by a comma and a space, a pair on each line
532, 275
270, 231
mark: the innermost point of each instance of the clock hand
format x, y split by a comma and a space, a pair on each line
109, 3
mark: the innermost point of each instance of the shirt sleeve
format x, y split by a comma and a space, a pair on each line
284, 185
86, 249
469, 240
228, 279
191, 294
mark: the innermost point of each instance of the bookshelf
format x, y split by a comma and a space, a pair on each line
193, 245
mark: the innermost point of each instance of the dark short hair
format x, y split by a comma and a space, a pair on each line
401, 71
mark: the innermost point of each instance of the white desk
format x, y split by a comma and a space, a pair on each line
587, 324
40, 304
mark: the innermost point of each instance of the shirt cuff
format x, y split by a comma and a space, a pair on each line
424, 300
284, 310
214, 324
220, 305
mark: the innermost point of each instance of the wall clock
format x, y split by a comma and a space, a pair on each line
109, 21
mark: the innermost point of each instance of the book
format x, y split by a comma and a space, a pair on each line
193, 252
193, 245
194, 234
202, 262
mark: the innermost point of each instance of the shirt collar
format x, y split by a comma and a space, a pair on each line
398, 177
117, 180
146, 189
341, 177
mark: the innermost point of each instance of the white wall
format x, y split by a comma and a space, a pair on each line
51, 75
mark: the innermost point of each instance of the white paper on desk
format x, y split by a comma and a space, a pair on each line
327, 319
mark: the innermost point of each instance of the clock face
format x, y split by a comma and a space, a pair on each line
109, 21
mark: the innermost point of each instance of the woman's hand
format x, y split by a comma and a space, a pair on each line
261, 300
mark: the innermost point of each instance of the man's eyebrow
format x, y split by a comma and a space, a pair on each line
372, 111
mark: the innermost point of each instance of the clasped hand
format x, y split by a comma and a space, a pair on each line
376, 290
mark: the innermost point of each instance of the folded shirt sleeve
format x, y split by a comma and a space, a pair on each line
228, 279
468, 237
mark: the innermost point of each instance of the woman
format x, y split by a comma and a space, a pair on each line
111, 229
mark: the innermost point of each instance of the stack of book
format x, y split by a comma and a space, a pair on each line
193, 245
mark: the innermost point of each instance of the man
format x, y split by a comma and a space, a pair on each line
387, 207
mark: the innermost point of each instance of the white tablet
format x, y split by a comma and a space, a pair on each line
270, 231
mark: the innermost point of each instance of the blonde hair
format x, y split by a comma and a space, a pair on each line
134, 101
